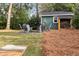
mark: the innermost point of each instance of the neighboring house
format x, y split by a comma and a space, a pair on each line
57, 19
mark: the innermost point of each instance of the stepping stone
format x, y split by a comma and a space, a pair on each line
12, 50
13, 47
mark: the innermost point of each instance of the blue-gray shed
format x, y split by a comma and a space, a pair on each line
51, 19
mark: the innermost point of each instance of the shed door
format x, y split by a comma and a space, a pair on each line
48, 20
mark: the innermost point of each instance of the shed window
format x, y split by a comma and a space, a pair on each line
55, 19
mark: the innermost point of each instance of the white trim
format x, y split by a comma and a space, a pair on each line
41, 19
55, 19
40, 29
57, 15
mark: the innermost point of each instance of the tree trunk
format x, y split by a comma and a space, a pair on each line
37, 10
9, 17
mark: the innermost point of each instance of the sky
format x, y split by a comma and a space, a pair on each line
32, 11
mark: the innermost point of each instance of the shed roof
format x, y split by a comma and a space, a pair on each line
56, 13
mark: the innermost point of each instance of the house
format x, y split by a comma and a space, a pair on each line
57, 19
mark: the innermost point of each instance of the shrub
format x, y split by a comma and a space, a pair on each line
34, 22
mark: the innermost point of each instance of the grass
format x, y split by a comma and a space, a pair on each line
32, 40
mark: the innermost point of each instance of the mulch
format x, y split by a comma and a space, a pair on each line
61, 43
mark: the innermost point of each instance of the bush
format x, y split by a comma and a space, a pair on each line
20, 17
2, 22
34, 22
76, 17
76, 23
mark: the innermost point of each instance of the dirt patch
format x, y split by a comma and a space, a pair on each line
8, 36
10, 53
59, 43
10, 30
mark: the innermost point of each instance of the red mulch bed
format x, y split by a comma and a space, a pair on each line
61, 43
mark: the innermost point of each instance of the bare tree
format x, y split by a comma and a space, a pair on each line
9, 16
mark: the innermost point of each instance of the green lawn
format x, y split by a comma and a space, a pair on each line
32, 40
